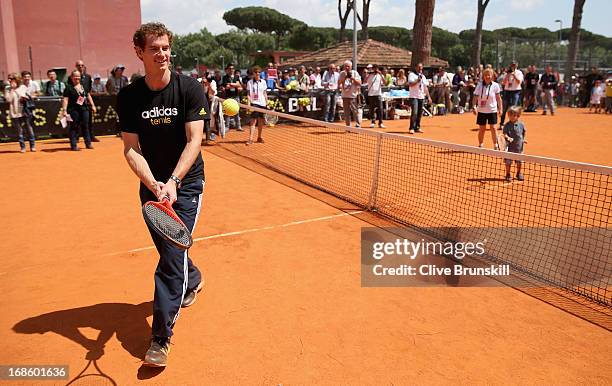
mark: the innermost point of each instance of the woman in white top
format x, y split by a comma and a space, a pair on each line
487, 104
257, 96
401, 78
16, 95
596, 95
303, 79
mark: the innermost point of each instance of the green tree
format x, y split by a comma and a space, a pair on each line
262, 19
539, 33
458, 55
537, 41
191, 46
509, 32
256, 41
467, 36
397, 36
312, 38
219, 56
441, 42
235, 42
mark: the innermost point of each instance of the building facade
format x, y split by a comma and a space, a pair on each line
39, 35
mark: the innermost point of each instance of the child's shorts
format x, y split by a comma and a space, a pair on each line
508, 162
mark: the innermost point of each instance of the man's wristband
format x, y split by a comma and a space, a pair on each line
176, 180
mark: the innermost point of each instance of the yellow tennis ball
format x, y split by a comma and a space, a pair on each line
230, 107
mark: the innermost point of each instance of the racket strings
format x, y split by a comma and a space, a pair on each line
167, 224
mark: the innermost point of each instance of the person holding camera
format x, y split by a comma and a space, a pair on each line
349, 84
417, 91
512, 89
33, 92
16, 94
375, 83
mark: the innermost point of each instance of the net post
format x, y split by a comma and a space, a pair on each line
374, 188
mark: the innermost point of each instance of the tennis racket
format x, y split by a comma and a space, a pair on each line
501, 142
221, 126
160, 217
270, 119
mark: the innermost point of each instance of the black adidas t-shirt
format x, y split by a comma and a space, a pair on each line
158, 117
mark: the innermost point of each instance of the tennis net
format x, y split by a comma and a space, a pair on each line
554, 226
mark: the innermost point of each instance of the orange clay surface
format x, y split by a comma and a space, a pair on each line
571, 134
282, 301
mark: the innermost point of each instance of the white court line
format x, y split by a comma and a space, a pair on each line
235, 233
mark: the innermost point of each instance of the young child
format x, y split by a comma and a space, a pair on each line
609, 96
514, 132
596, 94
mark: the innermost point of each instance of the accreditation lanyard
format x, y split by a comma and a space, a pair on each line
80, 95
255, 90
483, 102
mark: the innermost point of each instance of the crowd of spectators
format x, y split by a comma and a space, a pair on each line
21, 92
54, 87
347, 92
528, 87
436, 90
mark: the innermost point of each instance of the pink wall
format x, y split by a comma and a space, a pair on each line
62, 31
8, 39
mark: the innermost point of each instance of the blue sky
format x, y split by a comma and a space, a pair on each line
455, 15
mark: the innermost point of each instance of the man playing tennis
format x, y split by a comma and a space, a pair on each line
162, 119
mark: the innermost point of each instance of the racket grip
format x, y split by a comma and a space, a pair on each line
166, 202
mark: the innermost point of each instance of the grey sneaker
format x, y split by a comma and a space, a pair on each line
382, 126
157, 355
372, 125
508, 178
520, 177
192, 295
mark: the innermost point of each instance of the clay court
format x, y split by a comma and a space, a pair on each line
283, 301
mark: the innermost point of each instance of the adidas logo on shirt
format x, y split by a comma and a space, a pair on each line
160, 115
157, 112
